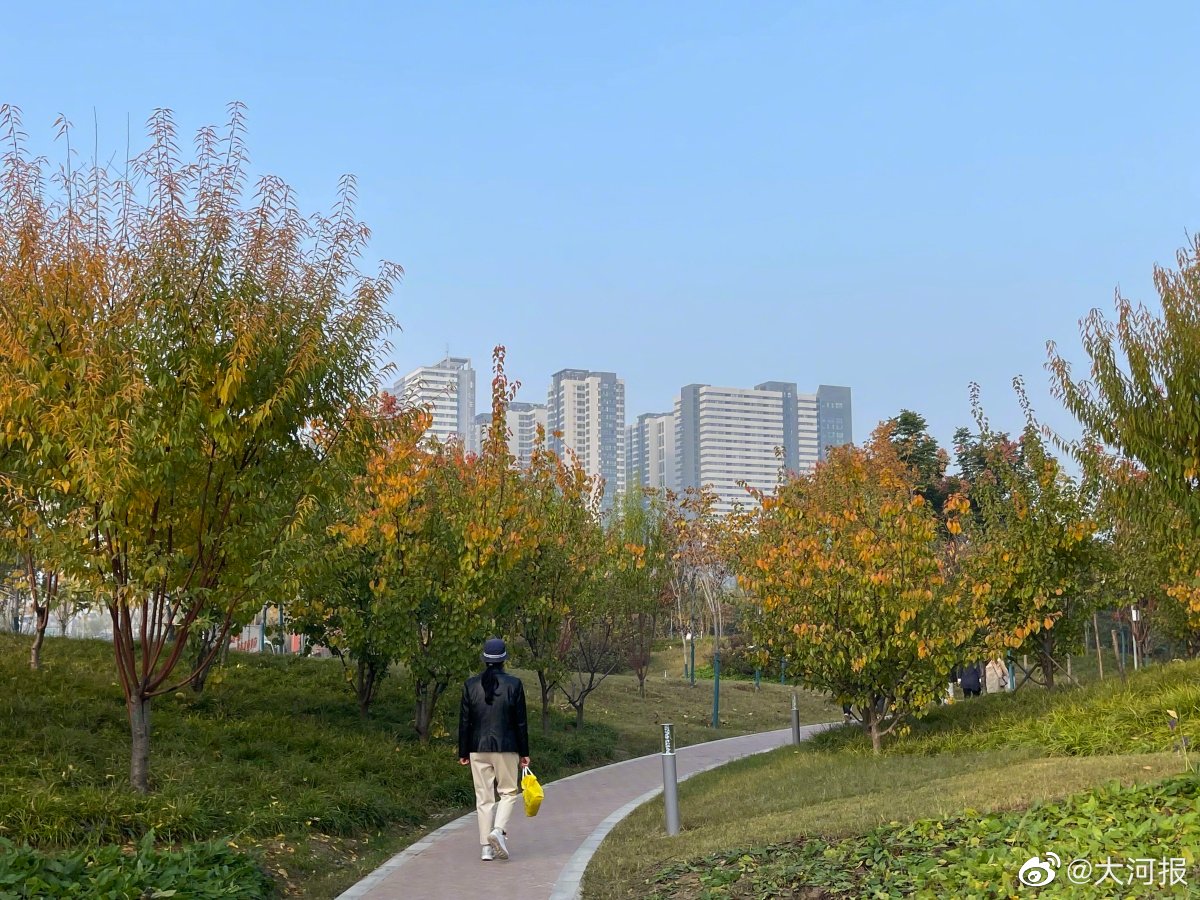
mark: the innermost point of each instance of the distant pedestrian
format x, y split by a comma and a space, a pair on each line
493, 739
996, 676
971, 680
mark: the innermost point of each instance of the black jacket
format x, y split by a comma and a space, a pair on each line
971, 678
498, 727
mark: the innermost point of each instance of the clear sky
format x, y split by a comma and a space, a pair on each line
901, 197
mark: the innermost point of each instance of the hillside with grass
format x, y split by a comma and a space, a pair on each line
953, 809
274, 764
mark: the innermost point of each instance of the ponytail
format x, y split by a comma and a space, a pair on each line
491, 681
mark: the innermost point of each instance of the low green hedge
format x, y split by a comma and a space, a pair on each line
973, 855
198, 872
1103, 718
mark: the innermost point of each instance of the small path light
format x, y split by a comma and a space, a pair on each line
670, 780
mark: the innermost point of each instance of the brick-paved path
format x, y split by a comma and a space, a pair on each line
549, 852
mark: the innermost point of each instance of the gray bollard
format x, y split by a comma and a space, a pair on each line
670, 780
795, 721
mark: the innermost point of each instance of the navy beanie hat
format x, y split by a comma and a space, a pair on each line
494, 650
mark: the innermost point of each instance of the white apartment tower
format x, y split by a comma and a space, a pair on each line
585, 413
448, 389
733, 438
650, 452
522, 421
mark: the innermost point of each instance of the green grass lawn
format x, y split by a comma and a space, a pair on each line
273, 757
998, 753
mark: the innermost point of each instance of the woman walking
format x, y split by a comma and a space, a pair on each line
493, 739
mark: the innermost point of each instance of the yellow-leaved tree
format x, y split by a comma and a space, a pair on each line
170, 379
855, 586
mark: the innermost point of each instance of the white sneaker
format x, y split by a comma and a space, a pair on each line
497, 845
487, 856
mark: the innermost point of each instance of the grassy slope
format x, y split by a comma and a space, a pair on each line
273, 755
998, 753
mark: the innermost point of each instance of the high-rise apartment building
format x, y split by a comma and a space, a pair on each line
733, 438
808, 432
522, 421
833, 417
585, 413
729, 439
650, 452
448, 389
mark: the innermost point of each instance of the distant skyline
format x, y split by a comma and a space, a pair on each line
902, 198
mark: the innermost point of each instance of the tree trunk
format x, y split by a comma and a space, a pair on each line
579, 715
1047, 659
42, 614
547, 690
427, 698
366, 685
362, 691
139, 727
202, 664
871, 718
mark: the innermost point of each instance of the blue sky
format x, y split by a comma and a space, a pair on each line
902, 197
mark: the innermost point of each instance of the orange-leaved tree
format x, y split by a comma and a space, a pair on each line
445, 535
52, 281
183, 375
855, 585
340, 597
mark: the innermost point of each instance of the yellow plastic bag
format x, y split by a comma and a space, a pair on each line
533, 792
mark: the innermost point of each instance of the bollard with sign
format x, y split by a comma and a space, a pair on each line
670, 780
1134, 617
795, 721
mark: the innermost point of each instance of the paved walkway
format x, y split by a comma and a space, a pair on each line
549, 852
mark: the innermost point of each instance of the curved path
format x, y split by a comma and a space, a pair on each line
549, 852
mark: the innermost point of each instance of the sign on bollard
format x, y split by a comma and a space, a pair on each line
670, 780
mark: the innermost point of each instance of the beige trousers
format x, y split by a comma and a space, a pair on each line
492, 773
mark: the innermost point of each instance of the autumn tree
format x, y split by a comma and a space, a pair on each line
342, 597
597, 631
1036, 554
445, 539
1150, 558
918, 449
700, 563
1141, 571
855, 586
640, 562
184, 367
49, 281
561, 546
1138, 403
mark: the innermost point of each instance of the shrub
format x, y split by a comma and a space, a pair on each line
1103, 718
969, 855
199, 872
